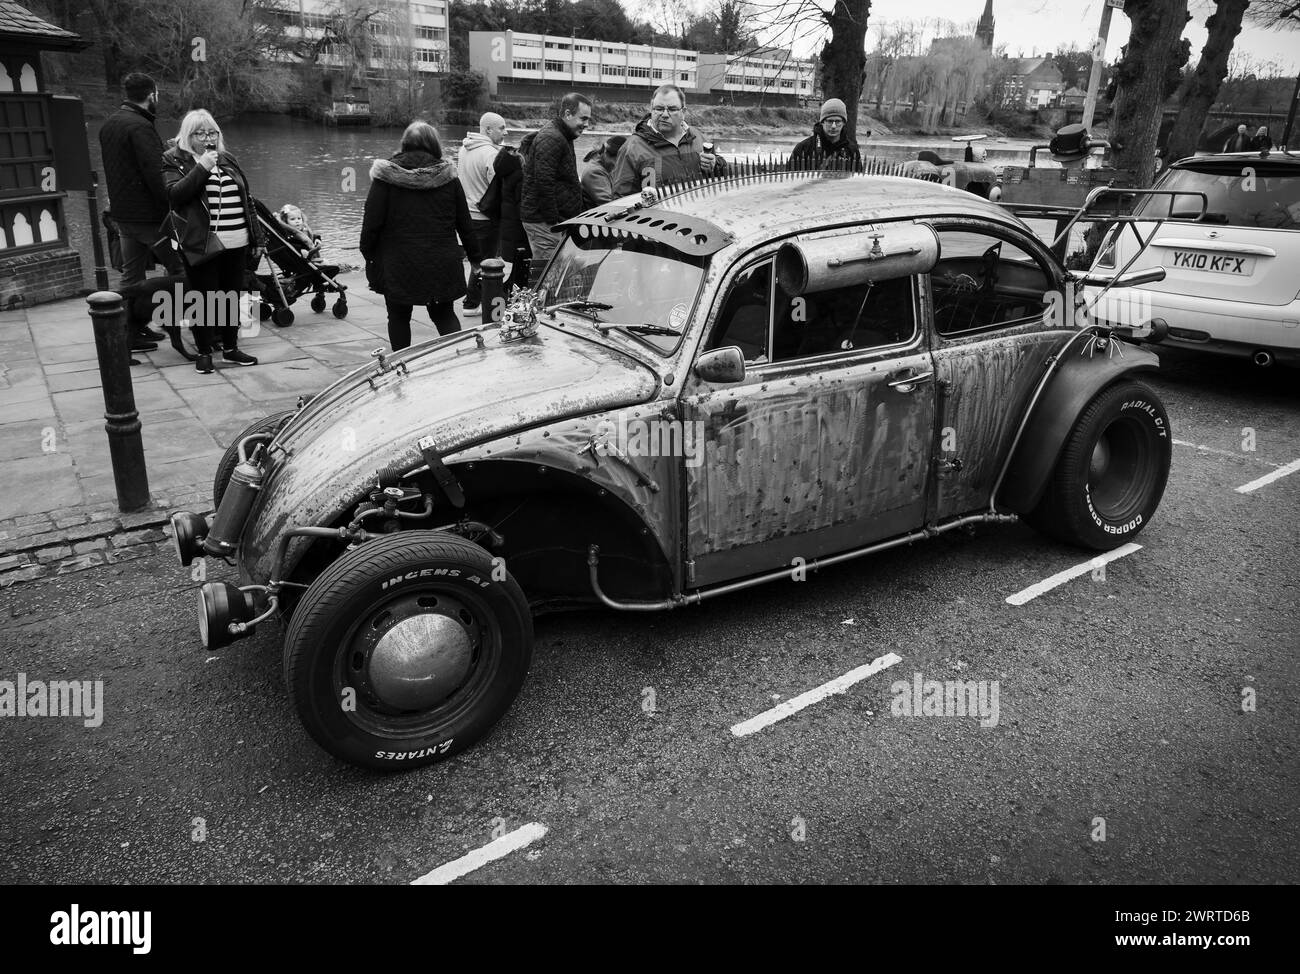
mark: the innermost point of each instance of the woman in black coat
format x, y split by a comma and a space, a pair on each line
514, 241
414, 211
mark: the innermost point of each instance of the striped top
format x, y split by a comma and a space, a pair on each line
226, 209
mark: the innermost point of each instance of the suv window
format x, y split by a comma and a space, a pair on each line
983, 281
1258, 198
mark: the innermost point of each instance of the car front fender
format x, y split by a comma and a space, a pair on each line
1068, 391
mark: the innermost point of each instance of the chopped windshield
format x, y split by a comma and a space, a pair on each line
1244, 196
648, 287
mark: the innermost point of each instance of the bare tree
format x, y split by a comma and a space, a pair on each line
1280, 14
1201, 88
1146, 75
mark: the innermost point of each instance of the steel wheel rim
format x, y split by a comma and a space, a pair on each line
354, 664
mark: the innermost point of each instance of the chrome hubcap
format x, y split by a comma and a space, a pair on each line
420, 661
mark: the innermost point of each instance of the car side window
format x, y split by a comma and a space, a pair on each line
983, 281
847, 319
746, 314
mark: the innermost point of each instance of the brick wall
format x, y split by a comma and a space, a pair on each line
47, 275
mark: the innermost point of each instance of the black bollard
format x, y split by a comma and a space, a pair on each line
92, 197
494, 300
125, 446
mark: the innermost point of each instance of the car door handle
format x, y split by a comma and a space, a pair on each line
906, 383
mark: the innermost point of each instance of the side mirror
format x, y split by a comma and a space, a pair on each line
721, 365
1131, 279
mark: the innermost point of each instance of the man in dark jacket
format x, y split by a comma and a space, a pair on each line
1240, 142
132, 152
663, 149
552, 192
829, 146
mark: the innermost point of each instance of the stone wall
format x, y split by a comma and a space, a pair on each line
46, 275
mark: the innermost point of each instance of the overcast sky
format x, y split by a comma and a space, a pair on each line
1029, 26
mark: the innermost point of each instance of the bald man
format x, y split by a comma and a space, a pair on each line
474, 166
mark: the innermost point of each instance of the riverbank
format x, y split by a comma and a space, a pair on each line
775, 123
778, 123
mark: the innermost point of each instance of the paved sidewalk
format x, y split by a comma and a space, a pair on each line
57, 497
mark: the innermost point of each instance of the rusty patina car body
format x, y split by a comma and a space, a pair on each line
650, 463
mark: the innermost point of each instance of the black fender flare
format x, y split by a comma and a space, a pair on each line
1069, 390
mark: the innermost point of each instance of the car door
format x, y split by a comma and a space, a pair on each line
991, 301
825, 445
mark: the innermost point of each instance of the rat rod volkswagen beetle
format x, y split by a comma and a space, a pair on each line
706, 390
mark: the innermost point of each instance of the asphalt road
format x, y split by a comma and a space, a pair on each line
1120, 698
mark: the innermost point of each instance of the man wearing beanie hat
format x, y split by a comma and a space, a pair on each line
829, 146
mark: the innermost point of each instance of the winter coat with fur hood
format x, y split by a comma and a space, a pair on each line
414, 211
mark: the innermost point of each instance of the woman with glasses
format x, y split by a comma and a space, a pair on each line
214, 224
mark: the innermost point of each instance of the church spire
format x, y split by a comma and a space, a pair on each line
984, 29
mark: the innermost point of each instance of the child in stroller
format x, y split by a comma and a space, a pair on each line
300, 234
293, 251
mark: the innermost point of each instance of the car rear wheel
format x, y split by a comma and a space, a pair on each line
230, 459
1111, 473
407, 650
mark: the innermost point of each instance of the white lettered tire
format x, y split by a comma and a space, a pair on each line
1111, 474
407, 649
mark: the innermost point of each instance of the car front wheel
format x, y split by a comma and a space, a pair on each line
1111, 473
407, 650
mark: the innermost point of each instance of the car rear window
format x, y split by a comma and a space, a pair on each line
1249, 196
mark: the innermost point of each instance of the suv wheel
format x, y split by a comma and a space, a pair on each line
406, 650
1111, 473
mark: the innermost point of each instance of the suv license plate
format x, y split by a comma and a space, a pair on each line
1216, 263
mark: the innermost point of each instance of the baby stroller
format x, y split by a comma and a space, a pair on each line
295, 271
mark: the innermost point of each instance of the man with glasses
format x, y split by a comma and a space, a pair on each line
132, 152
663, 148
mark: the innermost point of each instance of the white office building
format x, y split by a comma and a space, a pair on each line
766, 72
531, 59
403, 34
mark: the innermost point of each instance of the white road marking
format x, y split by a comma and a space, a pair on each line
1225, 453
478, 858
796, 704
1268, 478
1060, 578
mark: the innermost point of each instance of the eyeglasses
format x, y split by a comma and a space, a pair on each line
663, 110
206, 133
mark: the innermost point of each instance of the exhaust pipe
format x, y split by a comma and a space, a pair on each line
1263, 358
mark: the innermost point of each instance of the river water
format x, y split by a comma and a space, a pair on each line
325, 170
